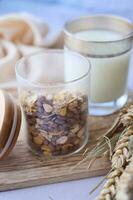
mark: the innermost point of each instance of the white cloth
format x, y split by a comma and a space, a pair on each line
20, 34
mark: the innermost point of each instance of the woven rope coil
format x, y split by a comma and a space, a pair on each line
125, 187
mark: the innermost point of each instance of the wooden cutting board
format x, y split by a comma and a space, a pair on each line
23, 169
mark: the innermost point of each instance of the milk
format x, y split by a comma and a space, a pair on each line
108, 74
98, 35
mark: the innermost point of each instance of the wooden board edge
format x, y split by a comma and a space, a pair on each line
46, 181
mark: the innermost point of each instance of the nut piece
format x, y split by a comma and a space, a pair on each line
81, 132
77, 141
72, 105
62, 140
45, 148
62, 111
47, 153
48, 108
38, 140
67, 147
59, 96
75, 128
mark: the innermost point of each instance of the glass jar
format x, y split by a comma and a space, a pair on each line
107, 41
53, 91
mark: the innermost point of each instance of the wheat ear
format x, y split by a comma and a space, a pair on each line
109, 190
125, 187
122, 151
120, 159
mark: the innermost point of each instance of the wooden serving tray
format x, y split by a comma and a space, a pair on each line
23, 169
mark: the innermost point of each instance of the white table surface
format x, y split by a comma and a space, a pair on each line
72, 190
56, 15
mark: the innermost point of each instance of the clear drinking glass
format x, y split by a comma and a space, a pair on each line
53, 91
107, 42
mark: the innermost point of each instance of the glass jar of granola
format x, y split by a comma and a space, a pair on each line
53, 91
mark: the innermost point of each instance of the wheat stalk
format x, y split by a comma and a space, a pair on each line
121, 155
120, 159
104, 147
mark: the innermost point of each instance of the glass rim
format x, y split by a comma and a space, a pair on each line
54, 83
69, 33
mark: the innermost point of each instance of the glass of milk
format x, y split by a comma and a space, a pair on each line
107, 41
